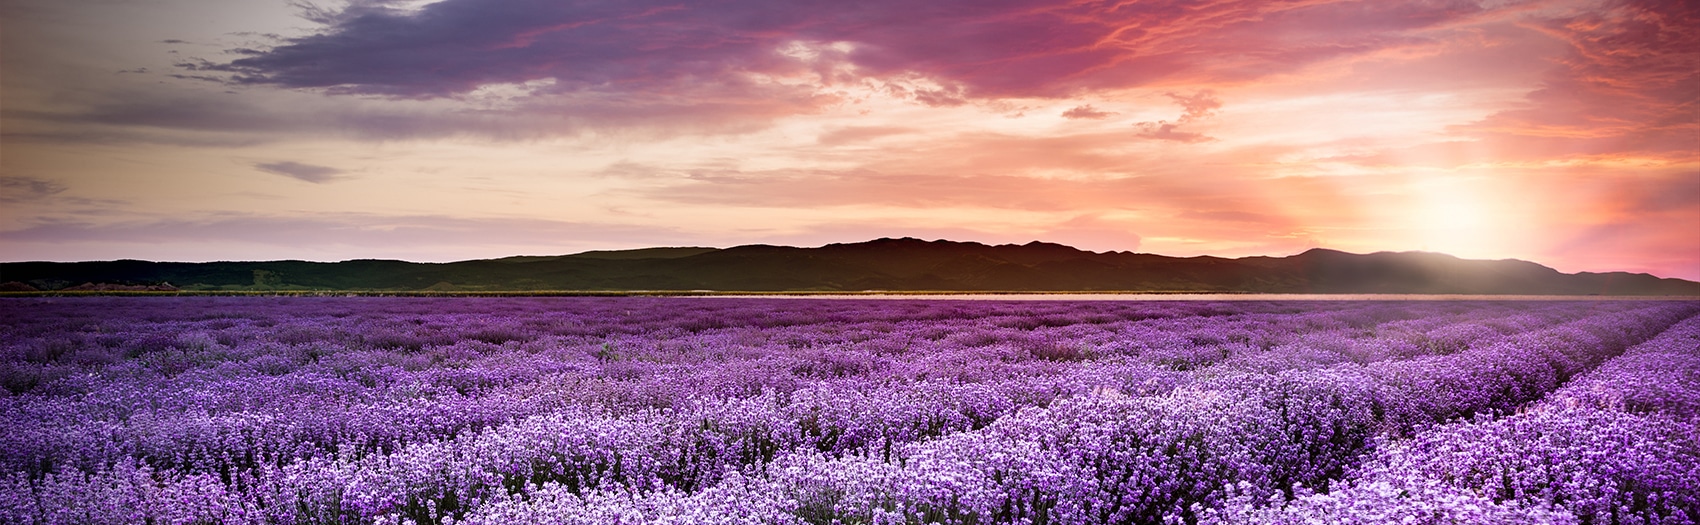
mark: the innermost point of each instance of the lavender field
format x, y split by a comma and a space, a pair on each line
790, 411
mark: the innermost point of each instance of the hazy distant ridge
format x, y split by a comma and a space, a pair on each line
882, 264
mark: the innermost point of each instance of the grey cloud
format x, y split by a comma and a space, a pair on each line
23, 189
651, 47
203, 117
305, 172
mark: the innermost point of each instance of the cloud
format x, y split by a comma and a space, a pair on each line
325, 237
197, 117
928, 152
1166, 131
1026, 184
458, 46
1086, 112
519, 70
1227, 216
1626, 86
816, 188
968, 49
854, 134
299, 171
21, 192
1200, 104
25, 189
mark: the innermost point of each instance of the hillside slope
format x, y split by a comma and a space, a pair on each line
882, 264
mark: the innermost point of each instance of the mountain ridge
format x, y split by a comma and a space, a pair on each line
885, 264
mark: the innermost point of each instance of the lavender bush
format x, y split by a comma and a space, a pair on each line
713, 410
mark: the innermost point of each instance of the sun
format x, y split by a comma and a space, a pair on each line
1455, 217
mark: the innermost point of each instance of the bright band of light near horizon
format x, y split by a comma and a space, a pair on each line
1561, 132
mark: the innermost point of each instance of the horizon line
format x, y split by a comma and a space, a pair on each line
905, 238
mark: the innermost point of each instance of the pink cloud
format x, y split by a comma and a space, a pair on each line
855, 134
1628, 85
1197, 105
1086, 112
1166, 131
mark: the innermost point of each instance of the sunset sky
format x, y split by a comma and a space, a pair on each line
1562, 132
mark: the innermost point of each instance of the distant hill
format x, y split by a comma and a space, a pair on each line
883, 264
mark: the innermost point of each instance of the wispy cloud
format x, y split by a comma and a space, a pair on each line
299, 171
1628, 86
24, 189
1086, 112
1167, 131
1199, 105
854, 134
329, 236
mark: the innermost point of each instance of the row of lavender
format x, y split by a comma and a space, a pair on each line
1620, 445
1128, 459
322, 411
303, 383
